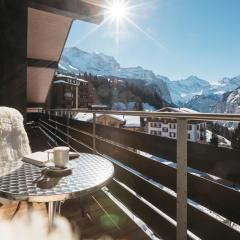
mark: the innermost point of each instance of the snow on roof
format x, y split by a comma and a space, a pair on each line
85, 117
171, 109
98, 105
117, 117
70, 77
188, 110
132, 121
60, 81
69, 83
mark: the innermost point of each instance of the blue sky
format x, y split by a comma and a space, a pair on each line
185, 37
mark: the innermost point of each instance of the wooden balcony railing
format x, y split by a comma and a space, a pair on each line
174, 201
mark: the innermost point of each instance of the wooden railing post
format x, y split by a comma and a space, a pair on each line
181, 179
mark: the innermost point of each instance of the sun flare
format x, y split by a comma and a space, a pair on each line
118, 9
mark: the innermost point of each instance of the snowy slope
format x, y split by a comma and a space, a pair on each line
183, 90
203, 103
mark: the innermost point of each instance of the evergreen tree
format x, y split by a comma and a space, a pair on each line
236, 138
140, 106
85, 76
214, 139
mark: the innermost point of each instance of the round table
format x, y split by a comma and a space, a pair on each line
89, 173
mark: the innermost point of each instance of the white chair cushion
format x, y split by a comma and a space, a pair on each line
14, 143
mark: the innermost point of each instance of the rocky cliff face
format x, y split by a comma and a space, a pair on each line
230, 103
203, 103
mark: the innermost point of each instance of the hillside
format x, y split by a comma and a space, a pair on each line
127, 94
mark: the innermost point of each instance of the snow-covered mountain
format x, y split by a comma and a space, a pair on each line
192, 92
230, 102
183, 90
218, 97
204, 103
77, 61
196, 91
223, 85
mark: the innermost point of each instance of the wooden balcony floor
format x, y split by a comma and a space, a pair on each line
102, 216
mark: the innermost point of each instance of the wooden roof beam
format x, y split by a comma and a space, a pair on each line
77, 9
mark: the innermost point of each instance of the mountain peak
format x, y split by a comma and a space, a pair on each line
101, 64
192, 77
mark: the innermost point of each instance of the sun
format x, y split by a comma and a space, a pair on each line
118, 9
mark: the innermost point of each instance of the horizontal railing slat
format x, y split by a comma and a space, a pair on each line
209, 228
203, 191
216, 197
221, 162
157, 223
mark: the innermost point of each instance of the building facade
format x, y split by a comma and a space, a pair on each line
70, 92
168, 127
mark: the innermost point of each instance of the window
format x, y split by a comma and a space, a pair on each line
159, 133
151, 124
189, 136
172, 134
190, 127
197, 127
165, 129
153, 132
172, 125
159, 125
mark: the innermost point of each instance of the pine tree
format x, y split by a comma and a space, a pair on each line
140, 106
214, 139
236, 138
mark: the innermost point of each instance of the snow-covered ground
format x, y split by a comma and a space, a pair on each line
130, 106
222, 140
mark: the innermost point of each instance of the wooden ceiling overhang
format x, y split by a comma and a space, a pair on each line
49, 23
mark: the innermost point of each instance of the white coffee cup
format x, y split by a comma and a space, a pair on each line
61, 156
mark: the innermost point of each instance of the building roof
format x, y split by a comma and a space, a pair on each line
60, 75
63, 81
128, 121
182, 110
132, 121
99, 106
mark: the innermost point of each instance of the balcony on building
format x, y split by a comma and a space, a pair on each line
154, 194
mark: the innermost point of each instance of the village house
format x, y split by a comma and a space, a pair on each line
168, 127
119, 121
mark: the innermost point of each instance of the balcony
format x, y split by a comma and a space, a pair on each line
162, 188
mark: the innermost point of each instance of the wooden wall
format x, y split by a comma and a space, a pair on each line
13, 52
